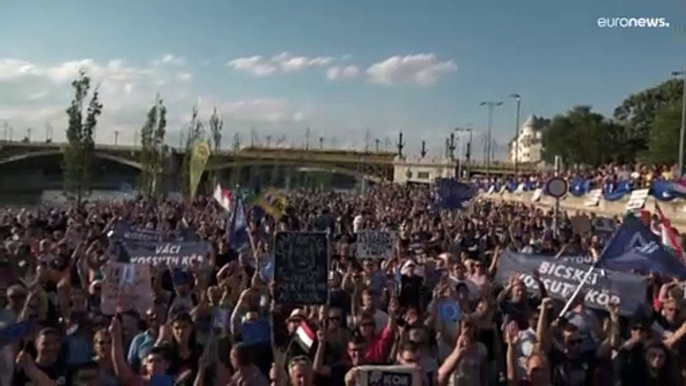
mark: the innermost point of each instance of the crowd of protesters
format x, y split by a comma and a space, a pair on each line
380, 312
638, 175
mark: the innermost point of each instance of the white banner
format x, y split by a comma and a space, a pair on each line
375, 244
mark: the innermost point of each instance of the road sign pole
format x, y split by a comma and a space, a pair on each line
556, 210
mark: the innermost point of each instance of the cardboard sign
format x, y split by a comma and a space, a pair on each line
581, 224
126, 286
375, 244
389, 376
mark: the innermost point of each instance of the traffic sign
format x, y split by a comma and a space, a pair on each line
556, 187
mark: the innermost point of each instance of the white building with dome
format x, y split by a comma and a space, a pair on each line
530, 142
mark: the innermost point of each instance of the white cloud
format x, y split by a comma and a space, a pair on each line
13, 69
266, 110
420, 70
169, 60
338, 73
184, 76
254, 65
284, 62
40, 93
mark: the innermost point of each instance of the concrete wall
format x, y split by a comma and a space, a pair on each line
674, 210
422, 170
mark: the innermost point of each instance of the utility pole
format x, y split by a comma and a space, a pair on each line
48, 132
116, 137
321, 143
491, 105
451, 147
423, 152
308, 134
28, 134
253, 137
682, 132
367, 137
518, 98
377, 141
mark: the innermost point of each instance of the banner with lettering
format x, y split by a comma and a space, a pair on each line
561, 278
301, 268
128, 232
375, 244
126, 286
181, 254
371, 375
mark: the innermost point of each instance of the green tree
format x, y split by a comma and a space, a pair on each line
582, 137
638, 112
196, 132
153, 150
663, 146
80, 149
216, 126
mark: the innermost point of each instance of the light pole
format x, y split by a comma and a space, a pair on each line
682, 133
468, 155
490, 106
116, 137
516, 137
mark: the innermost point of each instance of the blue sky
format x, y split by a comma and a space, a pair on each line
340, 67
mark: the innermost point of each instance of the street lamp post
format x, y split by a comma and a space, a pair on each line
468, 155
682, 132
516, 138
116, 137
491, 105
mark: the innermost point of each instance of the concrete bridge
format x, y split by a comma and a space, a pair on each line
32, 166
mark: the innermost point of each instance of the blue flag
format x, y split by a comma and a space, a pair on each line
636, 247
237, 230
452, 194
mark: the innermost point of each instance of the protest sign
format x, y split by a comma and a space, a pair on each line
126, 286
301, 266
132, 233
159, 253
579, 259
561, 278
375, 244
581, 224
389, 376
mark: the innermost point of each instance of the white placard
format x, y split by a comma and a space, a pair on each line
389, 376
637, 199
375, 244
593, 197
537, 195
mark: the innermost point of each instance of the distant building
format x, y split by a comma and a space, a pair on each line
530, 140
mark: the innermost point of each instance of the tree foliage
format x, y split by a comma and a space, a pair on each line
583, 137
79, 152
153, 150
196, 132
664, 134
216, 126
639, 111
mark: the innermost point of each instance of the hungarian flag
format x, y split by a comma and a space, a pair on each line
223, 197
666, 232
304, 336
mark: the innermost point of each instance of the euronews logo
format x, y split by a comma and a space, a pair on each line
633, 22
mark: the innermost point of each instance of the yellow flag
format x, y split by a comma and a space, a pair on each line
273, 202
199, 156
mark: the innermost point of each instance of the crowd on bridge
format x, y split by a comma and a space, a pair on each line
615, 181
211, 292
